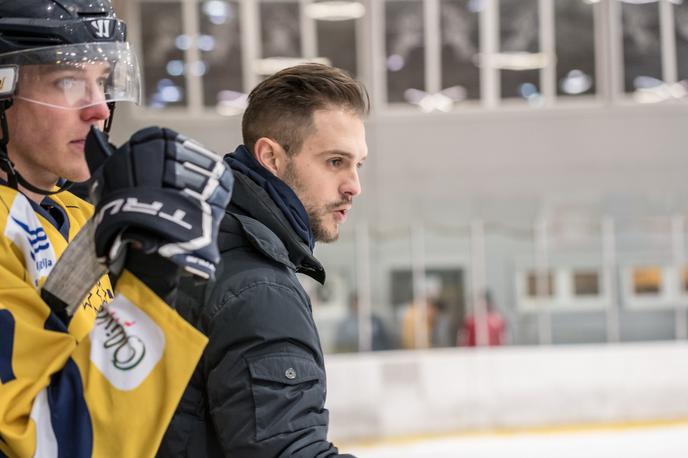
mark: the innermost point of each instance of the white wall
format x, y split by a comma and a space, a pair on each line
505, 165
509, 165
393, 394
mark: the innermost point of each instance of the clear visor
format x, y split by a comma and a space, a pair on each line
75, 76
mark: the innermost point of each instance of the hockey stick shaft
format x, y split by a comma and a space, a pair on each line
75, 273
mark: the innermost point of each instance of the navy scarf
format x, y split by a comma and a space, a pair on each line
283, 196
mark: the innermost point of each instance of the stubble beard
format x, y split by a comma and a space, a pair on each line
320, 232
316, 215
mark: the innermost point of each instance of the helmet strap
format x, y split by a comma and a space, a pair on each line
14, 178
6, 165
25, 184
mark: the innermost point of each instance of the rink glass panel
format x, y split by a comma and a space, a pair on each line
163, 42
519, 31
681, 26
575, 47
404, 48
337, 41
331, 300
642, 50
219, 44
280, 31
460, 45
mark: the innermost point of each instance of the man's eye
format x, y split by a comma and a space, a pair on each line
66, 83
336, 162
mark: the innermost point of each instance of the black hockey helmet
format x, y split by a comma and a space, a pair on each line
39, 37
28, 24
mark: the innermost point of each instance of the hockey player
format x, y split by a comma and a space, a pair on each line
100, 376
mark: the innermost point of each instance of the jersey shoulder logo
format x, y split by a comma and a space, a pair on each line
38, 239
27, 233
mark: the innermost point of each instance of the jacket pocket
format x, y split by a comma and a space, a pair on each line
288, 394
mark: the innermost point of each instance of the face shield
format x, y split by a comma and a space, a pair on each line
72, 77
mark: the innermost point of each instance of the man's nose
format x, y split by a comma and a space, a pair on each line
96, 103
352, 186
98, 111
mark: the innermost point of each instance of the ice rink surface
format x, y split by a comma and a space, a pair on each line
665, 441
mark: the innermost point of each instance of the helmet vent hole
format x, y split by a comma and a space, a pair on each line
98, 14
22, 39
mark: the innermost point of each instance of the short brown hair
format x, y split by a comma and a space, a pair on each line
281, 107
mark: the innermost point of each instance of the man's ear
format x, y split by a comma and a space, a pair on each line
270, 155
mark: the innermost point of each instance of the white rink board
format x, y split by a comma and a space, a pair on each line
401, 394
652, 442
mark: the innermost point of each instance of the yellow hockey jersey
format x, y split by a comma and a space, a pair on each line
104, 385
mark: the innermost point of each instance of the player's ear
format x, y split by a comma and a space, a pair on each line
270, 155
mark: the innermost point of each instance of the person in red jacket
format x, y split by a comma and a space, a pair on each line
492, 321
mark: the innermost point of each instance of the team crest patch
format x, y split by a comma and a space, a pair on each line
125, 343
27, 233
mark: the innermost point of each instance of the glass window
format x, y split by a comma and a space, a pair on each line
681, 24
405, 49
280, 29
337, 42
445, 299
163, 43
220, 46
647, 280
519, 33
575, 47
642, 52
460, 37
586, 283
540, 285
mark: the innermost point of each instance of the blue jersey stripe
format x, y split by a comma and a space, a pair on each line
39, 248
6, 346
35, 232
56, 323
70, 418
35, 237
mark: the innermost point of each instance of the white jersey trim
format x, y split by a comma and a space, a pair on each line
46, 441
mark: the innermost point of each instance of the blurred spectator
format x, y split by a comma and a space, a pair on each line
433, 330
496, 326
346, 338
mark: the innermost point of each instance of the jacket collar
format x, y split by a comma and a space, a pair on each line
281, 194
268, 230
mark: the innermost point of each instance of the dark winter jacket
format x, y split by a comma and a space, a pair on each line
259, 390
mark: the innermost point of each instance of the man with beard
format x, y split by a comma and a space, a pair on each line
259, 390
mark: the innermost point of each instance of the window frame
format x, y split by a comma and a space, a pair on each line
370, 55
564, 298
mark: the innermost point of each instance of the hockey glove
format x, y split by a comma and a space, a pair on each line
161, 192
